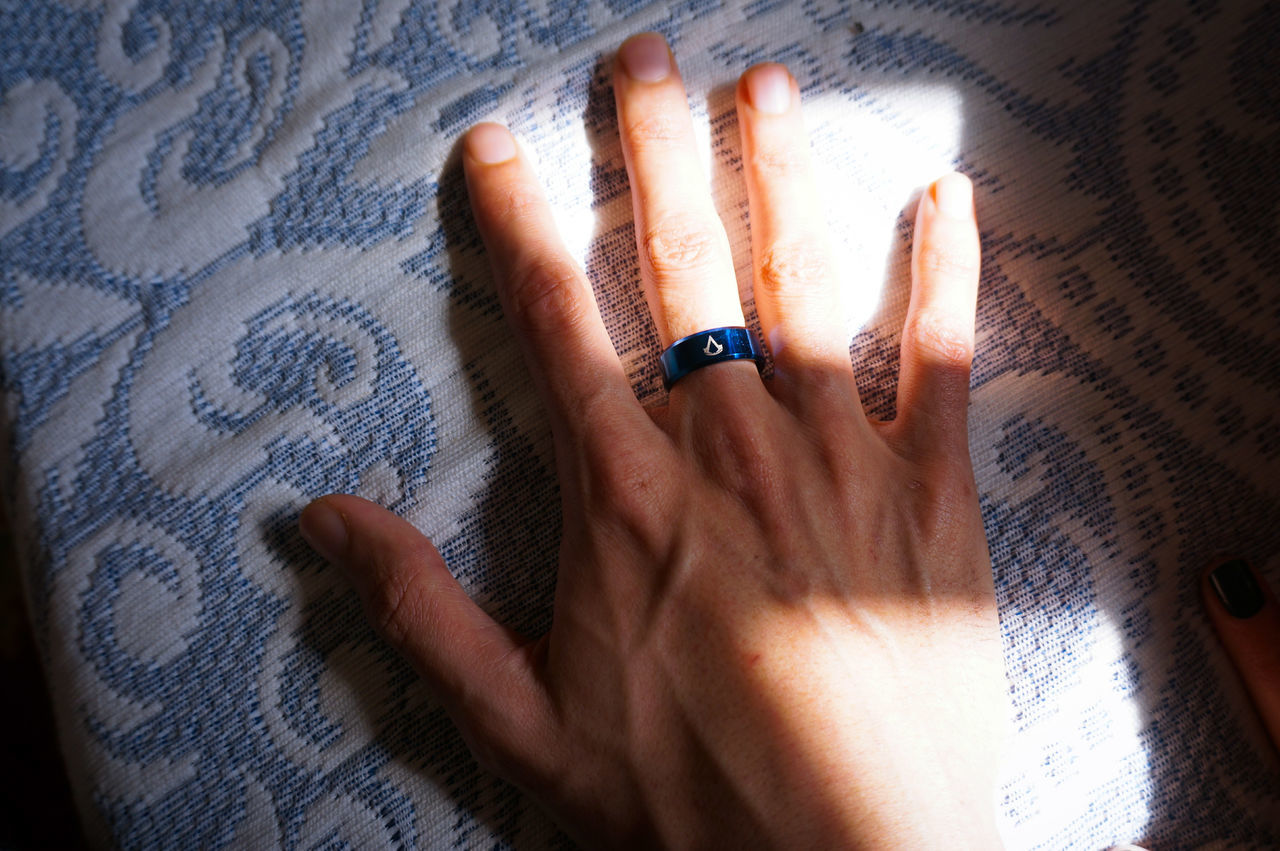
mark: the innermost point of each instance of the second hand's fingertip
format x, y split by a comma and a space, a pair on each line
953, 194
490, 143
1237, 587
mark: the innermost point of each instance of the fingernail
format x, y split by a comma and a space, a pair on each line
324, 529
1237, 588
645, 57
769, 88
953, 194
491, 143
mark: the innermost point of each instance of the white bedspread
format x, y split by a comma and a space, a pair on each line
238, 271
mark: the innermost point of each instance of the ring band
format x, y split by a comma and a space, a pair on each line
705, 348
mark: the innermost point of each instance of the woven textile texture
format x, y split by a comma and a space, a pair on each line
238, 271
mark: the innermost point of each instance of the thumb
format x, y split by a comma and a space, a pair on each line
481, 671
1247, 619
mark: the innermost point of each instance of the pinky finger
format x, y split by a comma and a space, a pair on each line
1246, 616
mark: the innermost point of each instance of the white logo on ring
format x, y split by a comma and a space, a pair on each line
712, 348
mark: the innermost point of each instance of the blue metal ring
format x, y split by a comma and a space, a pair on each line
705, 348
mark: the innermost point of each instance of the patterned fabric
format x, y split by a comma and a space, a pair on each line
238, 271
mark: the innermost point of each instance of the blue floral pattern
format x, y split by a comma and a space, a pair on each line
237, 271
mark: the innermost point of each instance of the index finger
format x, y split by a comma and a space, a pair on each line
544, 293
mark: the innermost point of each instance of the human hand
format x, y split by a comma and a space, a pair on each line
774, 619
1246, 617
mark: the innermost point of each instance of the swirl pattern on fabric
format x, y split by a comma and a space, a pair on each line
237, 271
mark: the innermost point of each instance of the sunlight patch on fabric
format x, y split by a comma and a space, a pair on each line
870, 165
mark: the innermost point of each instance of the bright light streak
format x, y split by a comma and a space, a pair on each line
1079, 747
870, 162
564, 169
1081, 750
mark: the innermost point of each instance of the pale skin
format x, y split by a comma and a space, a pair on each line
775, 622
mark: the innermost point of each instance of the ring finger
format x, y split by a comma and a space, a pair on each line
685, 261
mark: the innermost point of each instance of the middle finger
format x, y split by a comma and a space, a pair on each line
685, 261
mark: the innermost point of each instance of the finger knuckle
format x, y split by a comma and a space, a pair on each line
515, 201
679, 243
632, 495
396, 606
630, 485
943, 340
544, 295
950, 262
657, 129
944, 498
740, 452
776, 164
792, 264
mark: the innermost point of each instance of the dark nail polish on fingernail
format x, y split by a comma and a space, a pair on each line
1236, 587
324, 529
